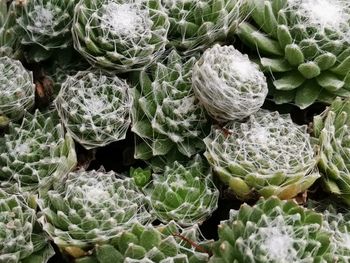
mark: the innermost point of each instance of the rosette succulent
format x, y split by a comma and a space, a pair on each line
165, 113
304, 44
184, 194
20, 241
90, 207
267, 155
36, 152
95, 107
9, 36
146, 243
197, 24
228, 84
338, 224
17, 90
47, 27
331, 129
120, 35
273, 231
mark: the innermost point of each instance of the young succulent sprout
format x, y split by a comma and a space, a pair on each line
47, 26
166, 114
266, 155
120, 35
91, 207
17, 90
331, 129
183, 193
153, 244
20, 242
95, 108
228, 84
305, 45
36, 153
273, 231
196, 24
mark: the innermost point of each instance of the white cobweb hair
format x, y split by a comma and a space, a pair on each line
95, 107
328, 17
97, 205
17, 88
228, 84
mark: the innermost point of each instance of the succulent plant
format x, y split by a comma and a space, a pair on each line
36, 152
184, 194
331, 129
19, 239
266, 155
9, 36
228, 84
120, 35
338, 225
197, 24
273, 231
165, 113
146, 243
47, 27
17, 89
90, 207
95, 107
304, 44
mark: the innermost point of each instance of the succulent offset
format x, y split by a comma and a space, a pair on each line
120, 35
89, 207
273, 231
166, 114
183, 193
228, 84
266, 155
36, 153
331, 129
95, 107
304, 44
147, 243
47, 27
17, 89
19, 239
196, 24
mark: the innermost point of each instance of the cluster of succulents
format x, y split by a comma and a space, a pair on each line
130, 128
